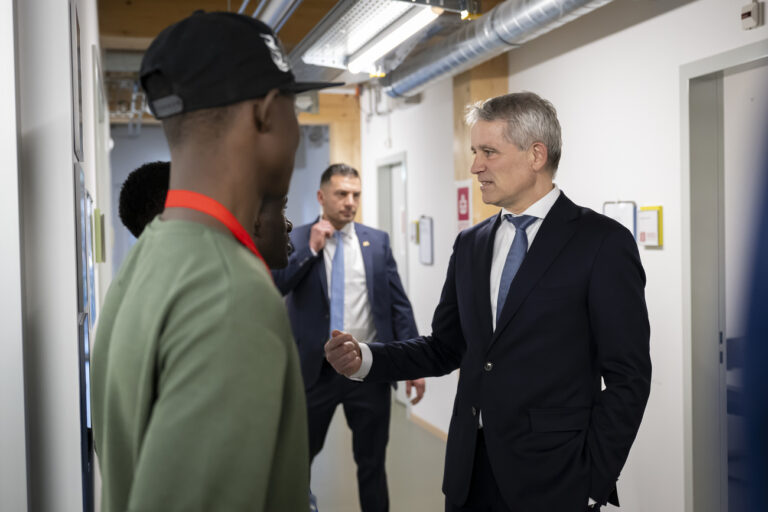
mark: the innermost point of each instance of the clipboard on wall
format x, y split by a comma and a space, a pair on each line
624, 212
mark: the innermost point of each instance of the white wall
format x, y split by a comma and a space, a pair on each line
614, 77
48, 218
13, 462
424, 132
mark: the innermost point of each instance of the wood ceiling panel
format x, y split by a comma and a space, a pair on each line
146, 18
304, 19
142, 20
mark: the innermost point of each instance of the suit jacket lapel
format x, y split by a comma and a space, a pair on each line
364, 239
320, 271
553, 234
483, 256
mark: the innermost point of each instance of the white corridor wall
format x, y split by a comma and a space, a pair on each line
47, 198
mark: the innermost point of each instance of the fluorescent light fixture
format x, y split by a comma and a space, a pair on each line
410, 23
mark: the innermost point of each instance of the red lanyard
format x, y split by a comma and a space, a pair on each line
204, 204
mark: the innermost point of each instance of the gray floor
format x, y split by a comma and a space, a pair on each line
414, 467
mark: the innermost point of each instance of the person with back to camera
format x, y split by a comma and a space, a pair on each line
540, 301
197, 396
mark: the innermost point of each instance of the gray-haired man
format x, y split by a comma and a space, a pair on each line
540, 302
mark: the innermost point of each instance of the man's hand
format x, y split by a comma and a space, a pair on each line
343, 353
419, 385
321, 231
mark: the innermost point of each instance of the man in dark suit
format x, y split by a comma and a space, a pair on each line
540, 302
342, 276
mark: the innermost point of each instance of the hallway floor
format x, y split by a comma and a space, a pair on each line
414, 467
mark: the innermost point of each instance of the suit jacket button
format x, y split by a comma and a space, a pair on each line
488, 366
474, 411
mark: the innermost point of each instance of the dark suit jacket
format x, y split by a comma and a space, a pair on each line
575, 312
305, 284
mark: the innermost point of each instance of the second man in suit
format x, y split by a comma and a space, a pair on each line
342, 276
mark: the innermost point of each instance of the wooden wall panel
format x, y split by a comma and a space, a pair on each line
479, 83
341, 112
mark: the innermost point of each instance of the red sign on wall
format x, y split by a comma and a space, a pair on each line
463, 203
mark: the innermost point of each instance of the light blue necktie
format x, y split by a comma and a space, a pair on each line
515, 257
337, 285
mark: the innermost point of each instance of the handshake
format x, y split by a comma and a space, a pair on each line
343, 353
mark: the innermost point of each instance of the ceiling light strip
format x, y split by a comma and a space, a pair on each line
413, 21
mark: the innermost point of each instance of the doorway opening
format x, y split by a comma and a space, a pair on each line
724, 106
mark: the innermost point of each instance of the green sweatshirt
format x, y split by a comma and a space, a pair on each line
197, 397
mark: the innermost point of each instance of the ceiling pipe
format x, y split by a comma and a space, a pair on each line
277, 12
258, 9
288, 14
506, 26
245, 3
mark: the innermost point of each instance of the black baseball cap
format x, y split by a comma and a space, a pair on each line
213, 60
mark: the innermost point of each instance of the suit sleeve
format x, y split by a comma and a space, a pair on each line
425, 356
619, 320
403, 322
297, 269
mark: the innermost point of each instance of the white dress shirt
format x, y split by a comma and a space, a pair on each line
505, 234
358, 316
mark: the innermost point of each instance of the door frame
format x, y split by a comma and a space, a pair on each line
702, 79
389, 161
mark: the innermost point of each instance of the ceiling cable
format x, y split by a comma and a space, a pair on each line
242, 7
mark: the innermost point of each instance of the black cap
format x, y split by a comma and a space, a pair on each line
215, 59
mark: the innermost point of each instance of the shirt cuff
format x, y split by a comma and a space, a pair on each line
314, 252
365, 367
591, 502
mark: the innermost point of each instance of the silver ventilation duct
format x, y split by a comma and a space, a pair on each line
508, 25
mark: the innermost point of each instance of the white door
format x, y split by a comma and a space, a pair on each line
393, 213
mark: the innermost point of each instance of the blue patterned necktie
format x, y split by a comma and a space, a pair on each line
515, 257
337, 285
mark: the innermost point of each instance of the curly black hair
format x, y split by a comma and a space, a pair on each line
142, 196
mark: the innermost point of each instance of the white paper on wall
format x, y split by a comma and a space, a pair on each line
624, 212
